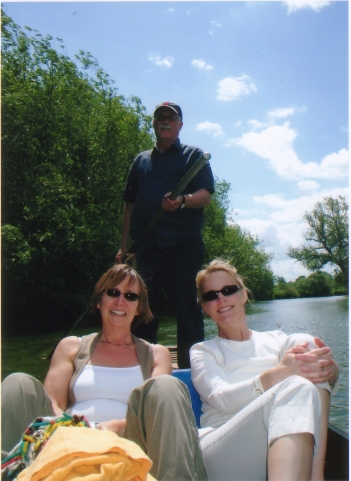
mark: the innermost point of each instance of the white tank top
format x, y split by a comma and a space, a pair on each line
102, 393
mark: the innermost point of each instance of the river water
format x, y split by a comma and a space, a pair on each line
325, 317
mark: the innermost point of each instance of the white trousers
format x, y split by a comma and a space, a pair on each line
237, 450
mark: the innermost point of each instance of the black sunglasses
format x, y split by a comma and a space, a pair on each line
225, 291
130, 296
170, 118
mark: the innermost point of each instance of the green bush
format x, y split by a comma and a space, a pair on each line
317, 284
285, 291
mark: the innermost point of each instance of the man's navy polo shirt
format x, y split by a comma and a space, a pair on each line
151, 176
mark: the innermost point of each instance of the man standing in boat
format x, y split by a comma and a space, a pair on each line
172, 254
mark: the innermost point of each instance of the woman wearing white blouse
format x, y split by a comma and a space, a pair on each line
265, 395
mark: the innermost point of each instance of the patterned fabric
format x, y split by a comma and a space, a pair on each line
33, 441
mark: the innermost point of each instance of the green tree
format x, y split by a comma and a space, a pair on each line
285, 291
280, 280
340, 283
216, 220
68, 139
327, 235
318, 284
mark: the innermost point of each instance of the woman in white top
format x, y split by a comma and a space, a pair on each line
119, 382
265, 395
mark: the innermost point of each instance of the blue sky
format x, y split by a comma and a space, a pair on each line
263, 87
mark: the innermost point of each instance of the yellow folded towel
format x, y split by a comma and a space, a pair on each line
89, 455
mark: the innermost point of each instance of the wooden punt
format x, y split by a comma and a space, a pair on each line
337, 457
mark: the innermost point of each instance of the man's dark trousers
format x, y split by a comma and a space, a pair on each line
173, 270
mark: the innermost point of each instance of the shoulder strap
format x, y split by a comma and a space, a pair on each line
86, 348
145, 355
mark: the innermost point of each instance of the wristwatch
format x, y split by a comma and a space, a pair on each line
182, 205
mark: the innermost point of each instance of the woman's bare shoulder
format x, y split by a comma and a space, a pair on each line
159, 349
68, 346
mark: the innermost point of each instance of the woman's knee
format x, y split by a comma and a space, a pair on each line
298, 381
163, 385
22, 391
301, 388
18, 382
300, 338
163, 390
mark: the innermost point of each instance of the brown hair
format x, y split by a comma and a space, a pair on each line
114, 276
219, 265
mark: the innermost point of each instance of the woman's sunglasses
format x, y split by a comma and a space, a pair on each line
130, 296
225, 291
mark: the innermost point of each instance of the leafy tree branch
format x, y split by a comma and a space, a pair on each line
328, 236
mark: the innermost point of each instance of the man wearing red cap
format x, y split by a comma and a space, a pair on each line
172, 254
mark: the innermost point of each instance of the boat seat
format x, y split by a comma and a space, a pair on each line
185, 376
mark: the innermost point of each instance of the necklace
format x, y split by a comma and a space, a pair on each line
114, 344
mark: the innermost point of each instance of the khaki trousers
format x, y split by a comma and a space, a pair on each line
23, 398
159, 419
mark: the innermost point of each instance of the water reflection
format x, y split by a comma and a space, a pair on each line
325, 317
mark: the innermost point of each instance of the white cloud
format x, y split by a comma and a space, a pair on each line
166, 62
275, 143
316, 5
266, 230
278, 224
172, 10
210, 128
308, 185
280, 113
242, 212
335, 165
201, 64
275, 237
256, 124
231, 88
289, 269
214, 24
285, 211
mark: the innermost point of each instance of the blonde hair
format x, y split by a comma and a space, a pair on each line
215, 266
114, 276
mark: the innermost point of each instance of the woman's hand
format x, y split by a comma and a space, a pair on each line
317, 365
115, 425
119, 259
287, 366
290, 363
